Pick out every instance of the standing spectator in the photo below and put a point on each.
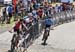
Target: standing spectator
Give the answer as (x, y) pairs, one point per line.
(36, 5)
(33, 1)
(4, 15)
(64, 7)
(56, 8)
(25, 3)
(49, 1)
(59, 8)
(49, 9)
(1, 14)
(16, 12)
(29, 9)
(22, 8)
(29, 2)
(40, 12)
(46, 10)
(35, 16)
(72, 7)
(53, 10)
(10, 9)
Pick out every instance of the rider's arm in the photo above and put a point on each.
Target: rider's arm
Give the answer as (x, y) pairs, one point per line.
(11, 30)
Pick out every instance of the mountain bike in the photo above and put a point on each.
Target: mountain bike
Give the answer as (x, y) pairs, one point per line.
(45, 36)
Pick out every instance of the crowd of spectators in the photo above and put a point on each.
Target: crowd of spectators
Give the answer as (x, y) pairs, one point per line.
(37, 9)
(31, 11)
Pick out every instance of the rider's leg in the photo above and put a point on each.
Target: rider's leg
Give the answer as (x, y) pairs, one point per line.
(44, 35)
(49, 31)
(12, 48)
(45, 40)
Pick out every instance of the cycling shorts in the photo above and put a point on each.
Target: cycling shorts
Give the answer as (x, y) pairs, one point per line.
(16, 30)
(48, 25)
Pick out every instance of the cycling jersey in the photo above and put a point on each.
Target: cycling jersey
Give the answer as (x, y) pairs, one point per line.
(17, 25)
(48, 22)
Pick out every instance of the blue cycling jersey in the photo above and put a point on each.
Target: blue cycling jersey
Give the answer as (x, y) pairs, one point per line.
(48, 22)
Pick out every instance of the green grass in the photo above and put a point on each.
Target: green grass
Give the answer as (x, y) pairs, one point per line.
(6, 25)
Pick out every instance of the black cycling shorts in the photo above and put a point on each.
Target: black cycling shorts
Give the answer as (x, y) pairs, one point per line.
(47, 26)
(16, 30)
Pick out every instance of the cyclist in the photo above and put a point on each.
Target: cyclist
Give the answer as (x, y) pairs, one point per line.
(16, 37)
(48, 22)
(35, 16)
(18, 26)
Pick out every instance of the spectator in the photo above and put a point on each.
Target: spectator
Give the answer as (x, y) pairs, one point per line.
(4, 15)
(25, 3)
(10, 9)
(59, 8)
(34, 12)
(40, 12)
(56, 8)
(29, 2)
(49, 9)
(46, 10)
(53, 10)
(36, 5)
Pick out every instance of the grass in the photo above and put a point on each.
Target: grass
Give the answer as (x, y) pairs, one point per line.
(6, 25)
